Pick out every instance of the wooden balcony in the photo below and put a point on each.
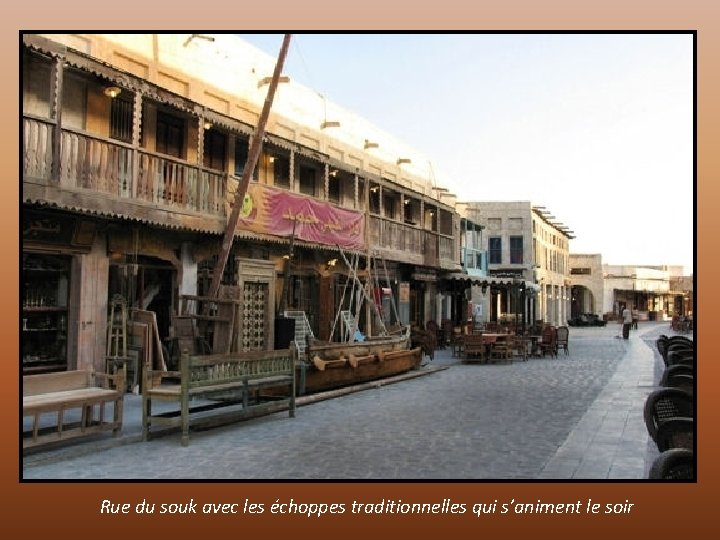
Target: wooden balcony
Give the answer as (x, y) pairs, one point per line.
(111, 177)
(411, 244)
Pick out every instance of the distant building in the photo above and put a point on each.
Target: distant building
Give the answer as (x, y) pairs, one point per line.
(528, 271)
(648, 288)
(658, 292)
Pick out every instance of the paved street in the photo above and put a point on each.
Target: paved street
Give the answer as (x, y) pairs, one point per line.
(576, 416)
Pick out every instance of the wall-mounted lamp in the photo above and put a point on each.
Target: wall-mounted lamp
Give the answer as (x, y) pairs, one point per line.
(112, 91)
(374, 189)
(370, 144)
(332, 262)
(271, 159)
(403, 160)
(407, 201)
(268, 80)
(328, 124)
(333, 173)
(207, 124)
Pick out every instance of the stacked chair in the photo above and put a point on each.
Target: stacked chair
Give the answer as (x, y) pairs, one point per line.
(676, 464)
(678, 354)
(670, 411)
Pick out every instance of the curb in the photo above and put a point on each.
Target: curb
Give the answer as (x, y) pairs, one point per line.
(53, 455)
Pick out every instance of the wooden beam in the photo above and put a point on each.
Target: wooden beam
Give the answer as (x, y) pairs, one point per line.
(253, 154)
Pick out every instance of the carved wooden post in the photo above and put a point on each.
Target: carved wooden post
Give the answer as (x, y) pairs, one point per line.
(326, 182)
(291, 165)
(199, 191)
(356, 188)
(135, 171)
(56, 89)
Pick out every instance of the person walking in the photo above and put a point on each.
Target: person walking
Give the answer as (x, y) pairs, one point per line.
(635, 318)
(627, 322)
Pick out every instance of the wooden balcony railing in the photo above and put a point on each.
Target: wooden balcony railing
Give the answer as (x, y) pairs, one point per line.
(96, 164)
(106, 166)
(409, 243)
(92, 164)
(37, 148)
(167, 181)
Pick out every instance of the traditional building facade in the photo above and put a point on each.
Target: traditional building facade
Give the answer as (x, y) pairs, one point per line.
(133, 146)
(527, 263)
(657, 292)
(650, 289)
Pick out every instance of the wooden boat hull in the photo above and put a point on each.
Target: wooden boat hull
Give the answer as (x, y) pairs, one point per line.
(374, 345)
(322, 375)
(329, 365)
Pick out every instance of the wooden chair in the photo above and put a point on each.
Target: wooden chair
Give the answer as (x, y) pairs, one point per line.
(474, 348)
(563, 334)
(433, 327)
(548, 343)
(502, 349)
(520, 345)
(457, 341)
(447, 331)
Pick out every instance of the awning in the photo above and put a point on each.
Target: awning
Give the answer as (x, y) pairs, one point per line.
(481, 280)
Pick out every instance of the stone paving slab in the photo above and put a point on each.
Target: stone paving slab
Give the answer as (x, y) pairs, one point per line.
(574, 417)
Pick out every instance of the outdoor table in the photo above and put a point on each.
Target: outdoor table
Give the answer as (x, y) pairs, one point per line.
(489, 341)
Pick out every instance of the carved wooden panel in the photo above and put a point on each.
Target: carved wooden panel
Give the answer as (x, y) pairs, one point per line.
(254, 308)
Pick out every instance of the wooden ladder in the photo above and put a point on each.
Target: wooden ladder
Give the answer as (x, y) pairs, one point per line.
(116, 355)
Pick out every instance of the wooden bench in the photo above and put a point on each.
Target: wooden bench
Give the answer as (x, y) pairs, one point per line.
(64, 391)
(222, 380)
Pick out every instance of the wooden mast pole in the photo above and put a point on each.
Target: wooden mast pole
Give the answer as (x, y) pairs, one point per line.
(253, 154)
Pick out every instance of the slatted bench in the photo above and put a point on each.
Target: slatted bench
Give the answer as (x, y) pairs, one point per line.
(221, 380)
(62, 392)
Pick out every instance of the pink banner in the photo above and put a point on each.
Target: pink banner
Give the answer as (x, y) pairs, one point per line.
(274, 211)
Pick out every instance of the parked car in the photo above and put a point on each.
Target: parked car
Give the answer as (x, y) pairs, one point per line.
(587, 319)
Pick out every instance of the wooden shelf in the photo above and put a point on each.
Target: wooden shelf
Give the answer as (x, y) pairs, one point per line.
(41, 368)
(41, 330)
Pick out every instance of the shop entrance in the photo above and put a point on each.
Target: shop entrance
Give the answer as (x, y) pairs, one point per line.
(150, 285)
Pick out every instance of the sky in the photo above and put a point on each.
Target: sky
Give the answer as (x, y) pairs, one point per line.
(598, 128)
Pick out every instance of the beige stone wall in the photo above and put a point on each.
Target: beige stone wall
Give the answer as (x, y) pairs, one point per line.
(592, 282)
